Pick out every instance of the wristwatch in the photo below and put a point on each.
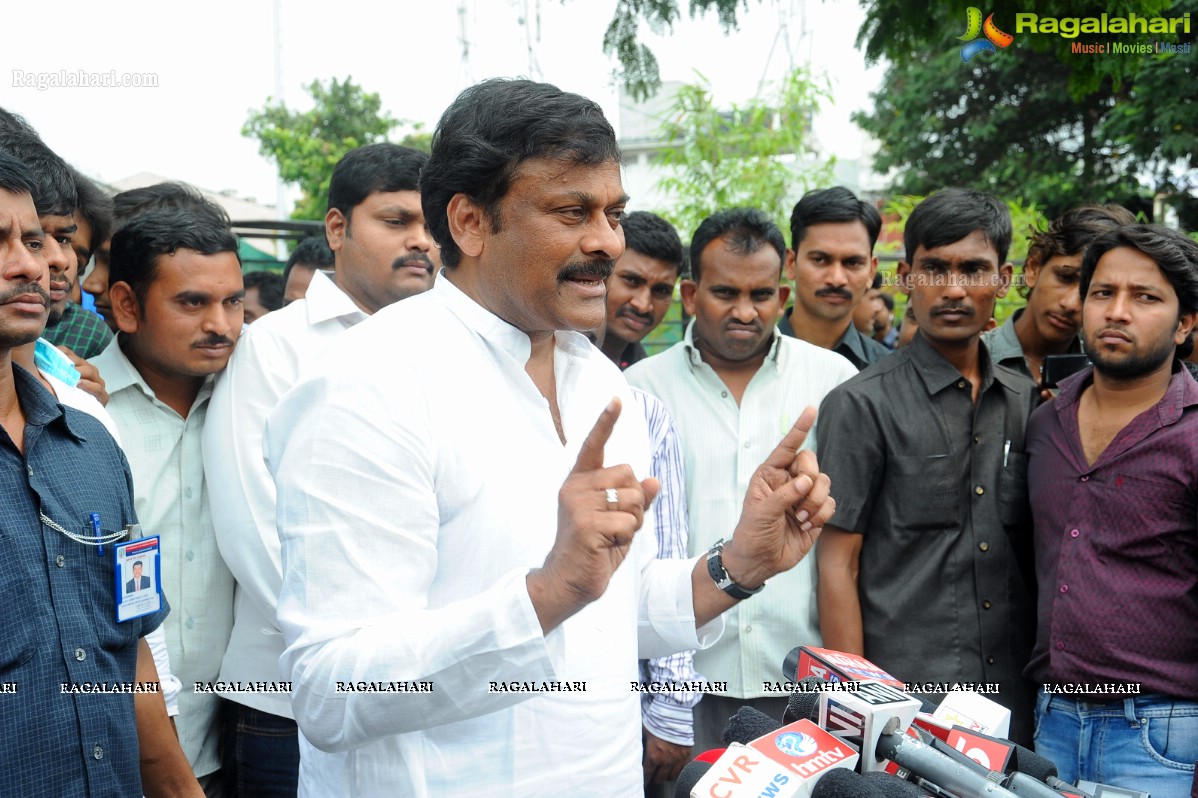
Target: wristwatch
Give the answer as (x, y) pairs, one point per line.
(715, 567)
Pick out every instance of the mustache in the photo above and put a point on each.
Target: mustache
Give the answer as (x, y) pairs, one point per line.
(214, 340)
(840, 292)
(952, 307)
(418, 257)
(24, 290)
(756, 327)
(627, 311)
(601, 269)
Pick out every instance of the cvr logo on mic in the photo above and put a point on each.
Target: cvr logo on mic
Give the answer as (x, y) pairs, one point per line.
(805, 749)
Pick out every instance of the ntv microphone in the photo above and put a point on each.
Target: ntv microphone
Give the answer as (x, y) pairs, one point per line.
(786, 762)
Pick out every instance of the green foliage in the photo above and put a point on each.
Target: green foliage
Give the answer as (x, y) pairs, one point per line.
(639, 70)
(748, 155)
(1034, 120)
(306, 145)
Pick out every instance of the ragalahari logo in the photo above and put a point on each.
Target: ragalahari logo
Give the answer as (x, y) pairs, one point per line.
(993, 36)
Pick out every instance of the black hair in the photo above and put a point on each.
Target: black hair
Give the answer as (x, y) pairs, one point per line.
(137, 246)
(1174, 253)
(270, 288)
(95, 207)
(137, 563)
(745, 230)
(1072, 231)
(492, 128)
(312, 253)
(952, 214)
(653, 237)
(375, 167)
(14, 175)
(165, 196)
(887, 300)
(53, 188)
(836, 205)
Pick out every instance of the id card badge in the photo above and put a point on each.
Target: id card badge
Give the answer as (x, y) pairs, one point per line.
(138, 591)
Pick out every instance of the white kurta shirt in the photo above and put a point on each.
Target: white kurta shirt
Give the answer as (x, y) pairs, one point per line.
(163, 450)
(268, 360)
(724, 444)
(418, 469)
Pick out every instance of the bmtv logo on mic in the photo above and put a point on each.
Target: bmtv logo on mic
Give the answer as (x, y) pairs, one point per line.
(805, 749)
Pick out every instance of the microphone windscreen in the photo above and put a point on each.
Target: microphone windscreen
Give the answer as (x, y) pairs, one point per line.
(1034, 765)
(841, 783)
(889, 786)
(802, 706)
(747, 725)
(689, 777)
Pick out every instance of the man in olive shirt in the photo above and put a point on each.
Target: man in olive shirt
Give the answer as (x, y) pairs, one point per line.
(926, 567)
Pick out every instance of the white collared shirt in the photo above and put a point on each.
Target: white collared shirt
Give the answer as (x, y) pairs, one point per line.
(418, 471)
(163, 451)
(268, 360)
(724, 444)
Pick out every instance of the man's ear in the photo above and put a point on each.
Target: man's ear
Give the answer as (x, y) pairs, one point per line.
(336, 228)
(126, 310)
(466, 224)
(688, 289)
(1006, 273)
(788, 267)
(902, 273)
(783, 294)
(1185, 326)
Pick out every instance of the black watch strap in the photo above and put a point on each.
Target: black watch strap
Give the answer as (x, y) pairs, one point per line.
(715, 567)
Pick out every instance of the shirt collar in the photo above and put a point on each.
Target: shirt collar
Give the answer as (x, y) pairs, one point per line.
(119, 373)
(1004, 343)
(495, 330)
(853, 340)
(40, 406)
(938, 374)
(696, 357)
(1181, 393)
(325, 300)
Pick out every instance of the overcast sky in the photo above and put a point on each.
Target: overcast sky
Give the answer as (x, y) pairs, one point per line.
(215, 61)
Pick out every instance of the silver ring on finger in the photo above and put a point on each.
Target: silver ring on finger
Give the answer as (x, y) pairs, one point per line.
(613, 498)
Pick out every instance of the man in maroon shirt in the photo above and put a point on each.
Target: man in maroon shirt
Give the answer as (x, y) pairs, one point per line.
(1114, 490)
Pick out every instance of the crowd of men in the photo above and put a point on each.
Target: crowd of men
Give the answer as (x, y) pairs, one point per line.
(419, 528)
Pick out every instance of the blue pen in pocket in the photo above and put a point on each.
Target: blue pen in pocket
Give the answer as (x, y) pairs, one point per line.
(95, 519)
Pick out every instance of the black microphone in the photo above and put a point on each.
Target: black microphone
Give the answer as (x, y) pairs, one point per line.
(845, 783)
(803, 703)
(689, 776)
(747, 725)
(893, 785)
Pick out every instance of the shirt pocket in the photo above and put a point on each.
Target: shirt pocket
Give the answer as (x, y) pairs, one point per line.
(1013, 507)
(23, 587)
(926, 491)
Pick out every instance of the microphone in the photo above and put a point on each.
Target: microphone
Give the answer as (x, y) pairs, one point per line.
(689, 777)
(863, 714)
(785, 763)
(917, 756)
(976, 712)
(804, 700)
(892, 785)
(748, 724)
(711, 755)
(847, 784)
(832, 666)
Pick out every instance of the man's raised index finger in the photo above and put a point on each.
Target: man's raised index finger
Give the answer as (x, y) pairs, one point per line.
(784, 453)
(590, 456)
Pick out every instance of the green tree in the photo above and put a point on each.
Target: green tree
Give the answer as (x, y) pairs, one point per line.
(306, 145)
(750, 154)
(1035, 120)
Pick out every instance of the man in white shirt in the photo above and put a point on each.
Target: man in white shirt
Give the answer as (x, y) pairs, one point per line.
(733, 385)
(374, 198)
(458, 614)
(176, 290)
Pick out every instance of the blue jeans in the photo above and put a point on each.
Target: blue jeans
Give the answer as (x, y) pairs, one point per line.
(259, 753)
(1147, 743)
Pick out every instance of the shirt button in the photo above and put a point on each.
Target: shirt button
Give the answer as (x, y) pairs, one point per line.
(960, 383)
(748, 444)
(80, 654)
(986, 605)
(1064, 588)
(723, 394)
(187, 493)
(29, 470)
(190, 623)
(1085, 479)
(98, 752)
(979, 490)
(1074, 533)
(976, 439)
(191, 555)
(989, 660)
(1060, 646)
(748, 628)
(984, 546)
(60, 561)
